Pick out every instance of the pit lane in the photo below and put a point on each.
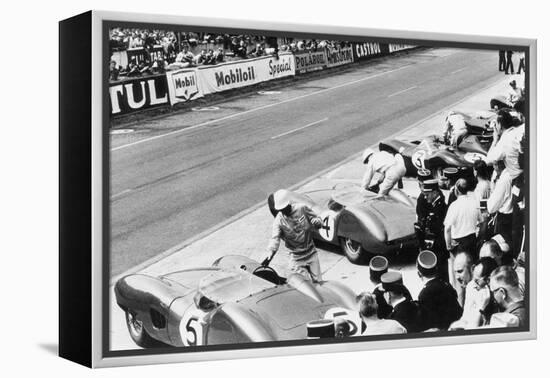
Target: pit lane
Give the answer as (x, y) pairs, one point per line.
(179, 177)
(248, 232)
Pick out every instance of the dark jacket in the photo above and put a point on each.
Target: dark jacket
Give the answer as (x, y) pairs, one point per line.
(518, 309)
(407, 314)
(438, 305)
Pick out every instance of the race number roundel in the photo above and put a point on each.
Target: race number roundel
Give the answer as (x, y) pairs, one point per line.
(471, 157)
(327, 229)
(192, 327)
(352, 317)
(418, 159)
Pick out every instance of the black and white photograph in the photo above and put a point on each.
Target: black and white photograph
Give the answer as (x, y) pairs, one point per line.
(277, 189)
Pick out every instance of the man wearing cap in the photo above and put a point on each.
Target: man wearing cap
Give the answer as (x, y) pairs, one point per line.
(430, 215)
(404, 310)
(377, 267)
(293, 223)
(390, 167)
(437, 300)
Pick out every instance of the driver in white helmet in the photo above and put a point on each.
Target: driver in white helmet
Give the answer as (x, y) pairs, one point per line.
(391, 169)
(294, 224)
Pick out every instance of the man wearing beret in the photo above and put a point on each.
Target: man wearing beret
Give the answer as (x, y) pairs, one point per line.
(430, 214)
(438, 299)
(404, 310)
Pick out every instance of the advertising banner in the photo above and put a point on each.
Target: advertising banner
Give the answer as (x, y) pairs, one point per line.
(393, 47)
(136, 94)
(310, 61)
(363, 51)
(243, 73)
(338, 57)
(183, 85)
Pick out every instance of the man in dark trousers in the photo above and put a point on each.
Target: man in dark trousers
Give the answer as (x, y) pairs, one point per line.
(437, 301)
(430, 231)
(509, 63)
(501, 60)
(404, 310)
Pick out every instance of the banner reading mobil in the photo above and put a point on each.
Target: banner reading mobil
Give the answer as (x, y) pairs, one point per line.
(136, 94)
(366, 50)
(243, 73)
(183, 85)
(310, 61)
(340, 56)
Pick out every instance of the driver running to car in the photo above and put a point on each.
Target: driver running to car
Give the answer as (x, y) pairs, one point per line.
(294, 224)
(391, 170)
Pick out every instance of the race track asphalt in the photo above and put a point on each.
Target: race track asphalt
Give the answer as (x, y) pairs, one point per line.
(180, 175)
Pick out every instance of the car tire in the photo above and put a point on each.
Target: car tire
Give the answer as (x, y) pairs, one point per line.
(354, 251)
(138, 333)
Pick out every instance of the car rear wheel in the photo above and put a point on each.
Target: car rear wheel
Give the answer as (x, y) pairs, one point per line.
(138, 333)
(354, 251)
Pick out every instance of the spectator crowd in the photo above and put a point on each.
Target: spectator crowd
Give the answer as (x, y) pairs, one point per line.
(161, 50)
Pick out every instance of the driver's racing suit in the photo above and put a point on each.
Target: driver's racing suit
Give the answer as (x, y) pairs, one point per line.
(296, 230)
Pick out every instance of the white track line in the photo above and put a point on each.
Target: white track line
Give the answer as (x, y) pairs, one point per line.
(299, 128)
(457, 71)
(403, 91)
(241, 214)
(258, 108)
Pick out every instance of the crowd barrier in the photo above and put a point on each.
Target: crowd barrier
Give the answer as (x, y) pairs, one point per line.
(189, 84)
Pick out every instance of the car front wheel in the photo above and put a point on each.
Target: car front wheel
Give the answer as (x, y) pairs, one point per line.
(138, 333)
(354, 251)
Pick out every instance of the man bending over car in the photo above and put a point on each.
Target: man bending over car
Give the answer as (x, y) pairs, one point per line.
(391, 169)
(294, 224)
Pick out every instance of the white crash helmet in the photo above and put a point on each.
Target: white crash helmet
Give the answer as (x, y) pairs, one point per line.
(366, 155)
(281, 199)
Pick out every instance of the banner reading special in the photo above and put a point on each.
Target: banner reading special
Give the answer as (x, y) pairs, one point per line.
(136, 94)
(363, 51)
(183, 85)
(338, 57)
(243, 73)
(310, 61)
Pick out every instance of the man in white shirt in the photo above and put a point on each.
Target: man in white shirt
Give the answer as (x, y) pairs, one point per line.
(455, 129)
(390, 167)
(368, 310)
(506, 144)
(500, 203)
(461, 220)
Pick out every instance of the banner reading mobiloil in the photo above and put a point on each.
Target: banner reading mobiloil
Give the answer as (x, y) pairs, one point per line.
(393, 47)
(338, 57)
(310, 61)
(243, 73)
(183, 85)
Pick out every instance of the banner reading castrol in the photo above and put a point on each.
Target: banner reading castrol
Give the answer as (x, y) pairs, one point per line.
(338, 57)
(243, 73)
(310, 61)
(183, 85)
(366, 50)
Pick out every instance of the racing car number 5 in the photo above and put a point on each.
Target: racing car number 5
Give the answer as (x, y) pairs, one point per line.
(191, 329)
(418, 159)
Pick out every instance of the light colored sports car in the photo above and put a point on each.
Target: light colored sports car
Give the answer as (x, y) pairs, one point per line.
(360, 223)
(234, 301)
